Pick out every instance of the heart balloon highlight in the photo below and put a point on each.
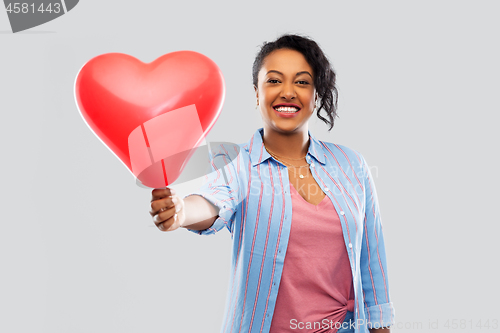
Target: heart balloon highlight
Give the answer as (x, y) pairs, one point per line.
(152, 116)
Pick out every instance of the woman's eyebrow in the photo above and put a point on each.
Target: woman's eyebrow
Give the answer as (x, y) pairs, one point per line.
(273, 71)
(278, 72)
(304, 72)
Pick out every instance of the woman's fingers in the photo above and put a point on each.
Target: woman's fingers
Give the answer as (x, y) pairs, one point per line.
(164, 208)
(164, 215)
(160, 205)
(170, 224)
(159, 193)
(172, 218)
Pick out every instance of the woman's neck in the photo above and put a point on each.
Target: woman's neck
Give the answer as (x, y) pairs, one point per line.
(290, 145)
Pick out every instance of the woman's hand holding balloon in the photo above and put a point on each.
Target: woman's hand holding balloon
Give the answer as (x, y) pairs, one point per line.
(167, 209)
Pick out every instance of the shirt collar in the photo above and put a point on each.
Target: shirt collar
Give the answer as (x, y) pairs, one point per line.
(259, 154)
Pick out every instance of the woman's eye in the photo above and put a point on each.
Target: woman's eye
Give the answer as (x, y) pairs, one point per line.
(303, 82)
(272, 81)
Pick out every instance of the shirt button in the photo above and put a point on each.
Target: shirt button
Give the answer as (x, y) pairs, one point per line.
(350, 245)
(326, 189)
(312, 165)
(342, 212)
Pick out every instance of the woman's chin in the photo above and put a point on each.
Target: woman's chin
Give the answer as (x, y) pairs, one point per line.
(286, 127)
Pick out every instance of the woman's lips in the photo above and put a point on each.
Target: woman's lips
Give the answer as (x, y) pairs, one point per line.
(286, 110)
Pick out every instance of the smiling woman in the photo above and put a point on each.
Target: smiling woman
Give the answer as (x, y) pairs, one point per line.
(324, 76)
(303, 214)
(285, 92)
(287, 95)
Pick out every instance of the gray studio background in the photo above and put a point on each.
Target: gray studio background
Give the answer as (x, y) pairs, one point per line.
(419, 87)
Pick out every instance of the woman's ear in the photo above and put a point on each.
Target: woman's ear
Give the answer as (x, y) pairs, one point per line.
(256, 94)
(316, 97)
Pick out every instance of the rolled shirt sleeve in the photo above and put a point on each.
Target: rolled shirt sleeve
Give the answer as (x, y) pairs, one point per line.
(379, 310)
(220, 187)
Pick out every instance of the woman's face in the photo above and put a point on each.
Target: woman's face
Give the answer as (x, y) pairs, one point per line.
(285, 92)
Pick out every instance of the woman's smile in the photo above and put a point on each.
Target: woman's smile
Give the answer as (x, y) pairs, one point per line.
(286, 110)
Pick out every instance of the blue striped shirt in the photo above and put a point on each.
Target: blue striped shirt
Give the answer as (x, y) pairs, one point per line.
(252, 192)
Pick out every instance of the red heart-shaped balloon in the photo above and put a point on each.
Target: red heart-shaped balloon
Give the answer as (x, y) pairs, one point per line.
(151, 116)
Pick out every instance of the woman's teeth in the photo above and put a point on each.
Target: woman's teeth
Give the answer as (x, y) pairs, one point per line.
(287, 109)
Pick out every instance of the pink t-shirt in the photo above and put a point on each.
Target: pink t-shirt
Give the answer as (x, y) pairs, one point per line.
(316, 285)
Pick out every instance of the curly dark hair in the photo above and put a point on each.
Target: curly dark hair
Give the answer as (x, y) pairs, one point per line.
(324, 75)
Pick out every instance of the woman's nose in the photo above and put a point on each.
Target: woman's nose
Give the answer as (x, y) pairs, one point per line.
(288, 91)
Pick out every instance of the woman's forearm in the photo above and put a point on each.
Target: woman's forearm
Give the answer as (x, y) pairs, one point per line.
(199, 213)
